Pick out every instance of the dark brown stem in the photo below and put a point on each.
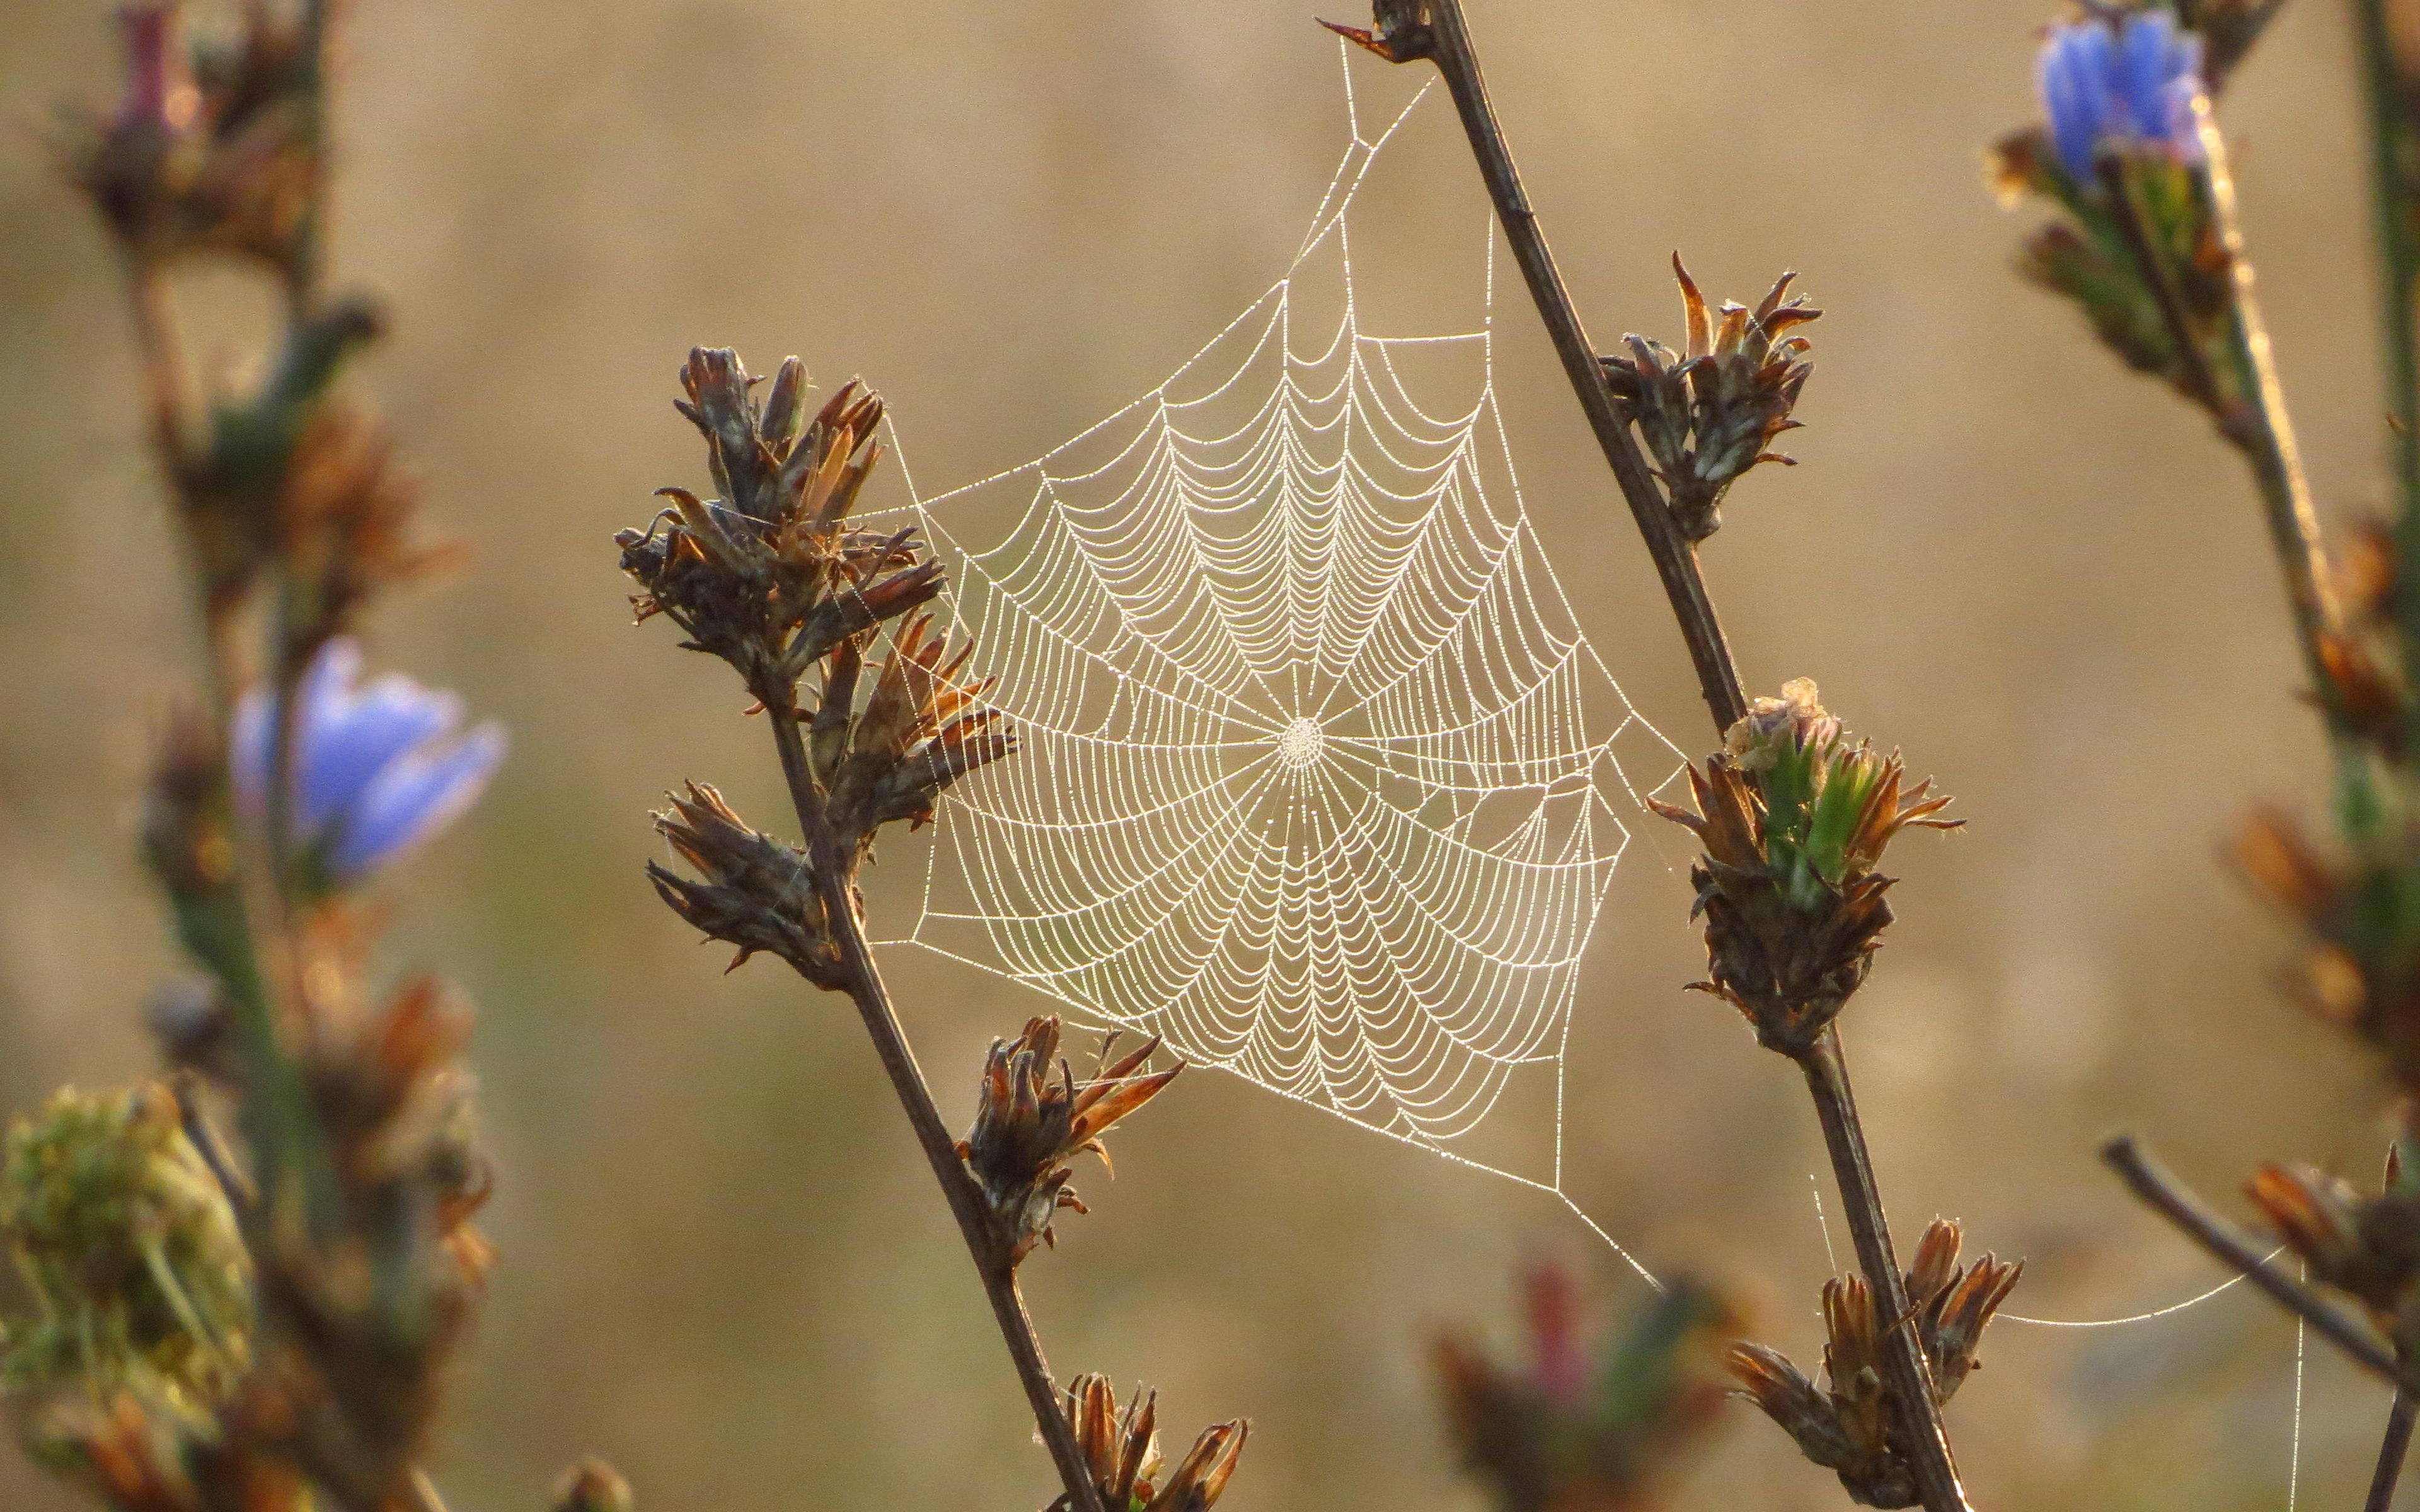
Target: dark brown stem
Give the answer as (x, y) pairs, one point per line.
(1676, 560)
(836, 887)
(1903, 1357)
(2390, 1451)
(1435, 30)
(2165, 1197)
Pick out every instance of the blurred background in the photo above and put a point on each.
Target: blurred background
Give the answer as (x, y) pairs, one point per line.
(725, 1266)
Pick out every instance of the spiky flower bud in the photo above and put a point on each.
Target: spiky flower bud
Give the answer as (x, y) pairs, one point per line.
(2365, 1245)
(130, 1247)
(770, 577)
(1711, 412)
(921, 729)
(1795, 820)
(1589, 1424)
(1853, 1426)
(1034, 1118)
(755, 892)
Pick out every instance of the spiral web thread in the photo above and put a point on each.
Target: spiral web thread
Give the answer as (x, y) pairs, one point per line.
(1318, 777)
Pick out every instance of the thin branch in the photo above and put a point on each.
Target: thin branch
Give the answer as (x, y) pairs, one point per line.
(2171, 1200)
(1435, 30)
(835, 885)
(1852, 1171)
(1676, 560)
(2201, 382)
(2390, 1451)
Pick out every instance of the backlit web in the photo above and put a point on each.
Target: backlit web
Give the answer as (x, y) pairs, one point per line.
(1318, 775)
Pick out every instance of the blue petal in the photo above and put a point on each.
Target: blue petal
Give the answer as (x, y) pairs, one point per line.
(414, 798)
(2074, 74)
(349, 741)
(325, 686)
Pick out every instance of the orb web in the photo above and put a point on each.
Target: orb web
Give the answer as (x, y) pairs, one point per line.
(1318, 777)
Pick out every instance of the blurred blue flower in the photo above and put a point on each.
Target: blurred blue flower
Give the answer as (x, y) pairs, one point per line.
(2129, 82)
(377, 768)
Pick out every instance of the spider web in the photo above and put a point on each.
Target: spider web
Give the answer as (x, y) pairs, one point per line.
(1318, 777)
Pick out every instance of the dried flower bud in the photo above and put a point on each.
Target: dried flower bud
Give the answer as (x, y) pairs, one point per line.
(2360, 910)
(593, 1486)
(1954, 1305)
(131, 1249)
(2366, 1247)
(1795, 820)
(207, 151)
(770, 577)
(921, 729)
(1122, 1448)
(1588, 1425)
(1852, 1426)
(1711, 412)
(756, 893)
(1034, 1118)
(1200, 1477)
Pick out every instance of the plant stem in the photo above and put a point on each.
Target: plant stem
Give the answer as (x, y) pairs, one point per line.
(2165, 1195)
(2258, 422)
(835, 884)
(2390, 1451)
(1852, 1171)
(1439, 33)
(1676, 560)
(2395, 164)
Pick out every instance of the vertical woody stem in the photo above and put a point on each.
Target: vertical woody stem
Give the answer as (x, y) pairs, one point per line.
(1436, 29)
(2390, 1451)
(834, 883)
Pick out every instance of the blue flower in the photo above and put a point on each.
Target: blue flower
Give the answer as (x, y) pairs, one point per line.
(377, 768)
(2127, 83)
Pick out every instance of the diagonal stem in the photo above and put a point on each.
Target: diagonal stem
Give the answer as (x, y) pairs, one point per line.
(834, 885)
(2390, 1451)
(1676, 560)
(1435, 30)
(2165, 1197)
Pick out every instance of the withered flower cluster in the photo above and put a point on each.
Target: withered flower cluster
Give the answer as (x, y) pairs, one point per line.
(775, 578)
(1851, 1426)
(1590, 1423)
(1034, 1118)
(1711, 412)
(2364, 1245)
(1123, 1449)
(1795, 820)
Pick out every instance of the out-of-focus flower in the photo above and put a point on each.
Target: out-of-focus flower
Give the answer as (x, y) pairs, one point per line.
(208, 149)
(1588, 1425)
(1851, 1427)
(1711, 412)
(377, 768)
(1034, 1118)
(2367, 1246)
(1795, 820)
(2125, 83)
(131, 1249)
(1122, 1450)
(593, 1486)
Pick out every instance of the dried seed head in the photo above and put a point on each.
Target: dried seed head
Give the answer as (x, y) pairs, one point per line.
(2366, 1247)
(1795, 820)
(1034, 1118)
(752, 891)
(1953, 1304)
(1711, 412)
(922, 728)
(770, 577)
